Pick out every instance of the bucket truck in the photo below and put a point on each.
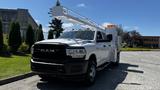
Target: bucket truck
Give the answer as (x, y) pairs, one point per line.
(77, 54)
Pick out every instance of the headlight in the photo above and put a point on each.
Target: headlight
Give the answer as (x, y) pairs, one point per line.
(76, 52)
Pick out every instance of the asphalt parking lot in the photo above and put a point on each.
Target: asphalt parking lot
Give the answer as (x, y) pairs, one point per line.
(137, 71)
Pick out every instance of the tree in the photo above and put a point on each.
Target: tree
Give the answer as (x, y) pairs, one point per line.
(50, 34)
(120, 31)
(30, 37)
(18, 35)
(14, 37)
(56, 27)
(39, 35)
(126, 38)
(136, 40)
(132, 38)
(1, 36)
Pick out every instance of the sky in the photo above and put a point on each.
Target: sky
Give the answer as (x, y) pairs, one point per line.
(140, 15)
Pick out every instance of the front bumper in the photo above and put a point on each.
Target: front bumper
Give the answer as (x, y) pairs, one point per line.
(67, 69)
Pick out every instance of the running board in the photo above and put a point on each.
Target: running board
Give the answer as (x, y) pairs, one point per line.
(103, 66)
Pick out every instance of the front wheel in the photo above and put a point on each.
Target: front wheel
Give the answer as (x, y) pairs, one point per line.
(91, 73)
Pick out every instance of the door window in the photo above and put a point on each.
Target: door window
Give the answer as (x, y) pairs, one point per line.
(99, 36)
(104, 36)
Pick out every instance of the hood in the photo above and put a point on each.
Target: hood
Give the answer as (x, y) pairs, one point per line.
(64, 41)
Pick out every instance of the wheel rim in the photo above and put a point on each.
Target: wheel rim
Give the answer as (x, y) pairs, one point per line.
(92, 73)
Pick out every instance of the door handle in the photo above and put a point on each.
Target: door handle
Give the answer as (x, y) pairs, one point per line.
(104, 45)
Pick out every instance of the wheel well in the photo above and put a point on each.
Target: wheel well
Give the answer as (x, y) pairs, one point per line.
(93, 58)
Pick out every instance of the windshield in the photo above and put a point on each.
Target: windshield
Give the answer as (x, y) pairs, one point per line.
(84, 35)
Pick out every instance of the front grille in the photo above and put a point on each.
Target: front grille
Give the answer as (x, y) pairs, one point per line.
(47, 68)
(49, 53)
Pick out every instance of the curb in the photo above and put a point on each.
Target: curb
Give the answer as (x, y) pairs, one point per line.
(16, 78)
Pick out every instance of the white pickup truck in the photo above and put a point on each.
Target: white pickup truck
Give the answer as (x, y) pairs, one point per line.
(76, 54)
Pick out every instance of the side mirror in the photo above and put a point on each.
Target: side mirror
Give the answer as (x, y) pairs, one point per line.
(109, 37)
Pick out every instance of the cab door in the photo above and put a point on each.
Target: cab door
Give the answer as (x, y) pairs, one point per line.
(101, 48)
(107, 49)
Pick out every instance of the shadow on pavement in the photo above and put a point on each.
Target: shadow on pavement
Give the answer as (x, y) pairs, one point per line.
(107, 79)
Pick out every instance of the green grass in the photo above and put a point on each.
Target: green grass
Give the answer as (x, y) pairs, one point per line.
(137, 49)
(15, 65)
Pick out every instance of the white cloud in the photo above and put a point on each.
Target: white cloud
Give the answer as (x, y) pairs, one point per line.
(67, 25)
(81, 5)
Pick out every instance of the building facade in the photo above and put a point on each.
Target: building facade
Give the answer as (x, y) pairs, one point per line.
(17, 15)
(151, 41)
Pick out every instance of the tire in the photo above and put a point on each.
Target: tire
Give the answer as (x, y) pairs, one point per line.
(118, 59)
(91, 73)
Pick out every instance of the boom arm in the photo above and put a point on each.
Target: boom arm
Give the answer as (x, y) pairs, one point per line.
(61, 12)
